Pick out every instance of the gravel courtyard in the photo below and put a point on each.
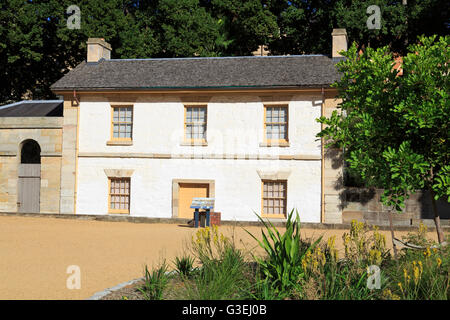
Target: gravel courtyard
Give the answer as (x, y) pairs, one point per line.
(36, 252)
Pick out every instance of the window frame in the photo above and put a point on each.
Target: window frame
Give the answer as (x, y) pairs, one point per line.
(121, 211)
(112, 123)
(274, 215)
(276, 141)
(192, 140)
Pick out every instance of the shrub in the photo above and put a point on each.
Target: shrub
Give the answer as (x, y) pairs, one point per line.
(363, 247)
(222, 279)
(208, 244)
(282, 266)
(155, 283)
(184, 265)
(223, 274)
(420, 274)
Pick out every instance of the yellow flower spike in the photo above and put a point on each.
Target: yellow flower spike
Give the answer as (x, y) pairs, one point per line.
(427, 253)
(416, 275)
(439, 262)
(400, 286)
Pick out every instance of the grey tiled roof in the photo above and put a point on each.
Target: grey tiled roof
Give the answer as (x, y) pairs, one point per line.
(33, 108)
(188, 73)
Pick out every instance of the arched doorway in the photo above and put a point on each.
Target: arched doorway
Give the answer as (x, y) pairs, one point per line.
(29, 177)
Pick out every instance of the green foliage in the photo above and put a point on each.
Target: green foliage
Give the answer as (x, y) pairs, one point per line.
(306, 26)
(420, 274)
(223, 279)
(223, 273)
(320, 272)
(394, 128)
(184, 265)
(284, 252)
(37, 48)
(155, 283)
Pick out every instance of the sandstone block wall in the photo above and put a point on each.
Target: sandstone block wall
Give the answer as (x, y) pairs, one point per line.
(47, 132)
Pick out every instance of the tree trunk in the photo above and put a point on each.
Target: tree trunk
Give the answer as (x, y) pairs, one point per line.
(392, 234)
(437, 219)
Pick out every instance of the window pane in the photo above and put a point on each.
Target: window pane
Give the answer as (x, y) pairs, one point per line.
(283, 115)
(121, 114)
(128, 113)
(275, 114)
(268, 114)
(116, 115)
(188, 114)
(204, 132)
(275, 132)
(269, 132)
(202, 115)
(283, 133)
(194, 114)
(128, 131)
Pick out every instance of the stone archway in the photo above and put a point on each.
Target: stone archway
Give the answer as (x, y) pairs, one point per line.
(29, 182)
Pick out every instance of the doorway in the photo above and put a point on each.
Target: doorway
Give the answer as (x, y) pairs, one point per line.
(29, 183)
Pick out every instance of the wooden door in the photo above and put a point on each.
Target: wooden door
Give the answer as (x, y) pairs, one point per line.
(186, 193)
(29, 188)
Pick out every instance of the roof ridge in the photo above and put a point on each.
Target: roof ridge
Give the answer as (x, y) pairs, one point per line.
(220, 58)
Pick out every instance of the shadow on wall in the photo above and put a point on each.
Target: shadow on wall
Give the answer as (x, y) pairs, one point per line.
(364, 205)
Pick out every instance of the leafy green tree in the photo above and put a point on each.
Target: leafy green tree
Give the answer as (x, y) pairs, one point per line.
(184, 29)
(248, 24)
(306, 25)
(394, 129)
(37, 48)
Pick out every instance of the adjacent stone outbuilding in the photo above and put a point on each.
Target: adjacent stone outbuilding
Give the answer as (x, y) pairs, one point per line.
(30, 156)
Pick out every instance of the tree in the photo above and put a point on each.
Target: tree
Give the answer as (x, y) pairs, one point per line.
(184, 29)
(247, 23)
(37, 48)
(394, 129)
(306, 25)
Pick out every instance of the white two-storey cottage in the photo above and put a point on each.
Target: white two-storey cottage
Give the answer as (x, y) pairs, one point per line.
(144, 136)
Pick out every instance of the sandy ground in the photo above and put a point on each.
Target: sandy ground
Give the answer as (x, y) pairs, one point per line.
(36, 252)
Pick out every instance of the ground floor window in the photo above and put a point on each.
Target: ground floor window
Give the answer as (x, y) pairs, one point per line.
(119, 195)
(274, 196)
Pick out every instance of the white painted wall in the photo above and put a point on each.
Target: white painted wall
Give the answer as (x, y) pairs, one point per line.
(237, 185)
(235, 125)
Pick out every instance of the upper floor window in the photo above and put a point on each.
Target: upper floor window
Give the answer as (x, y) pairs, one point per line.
(122, 122)
(195, 123)
(276, 123)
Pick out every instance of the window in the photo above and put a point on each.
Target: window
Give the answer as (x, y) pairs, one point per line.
(122, 123)
(274, 198)
(195, 123)
(276, 123)
(119, 195)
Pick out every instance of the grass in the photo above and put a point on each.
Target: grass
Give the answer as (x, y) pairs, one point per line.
(304, 269)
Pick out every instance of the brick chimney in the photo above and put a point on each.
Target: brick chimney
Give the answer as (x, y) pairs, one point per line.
(339, 42)
(98, 48)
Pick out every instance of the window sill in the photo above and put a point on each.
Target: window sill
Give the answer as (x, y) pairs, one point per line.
(118, 212)
(275, 144)
(273, 216)
(119, 143)
(194, 143)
